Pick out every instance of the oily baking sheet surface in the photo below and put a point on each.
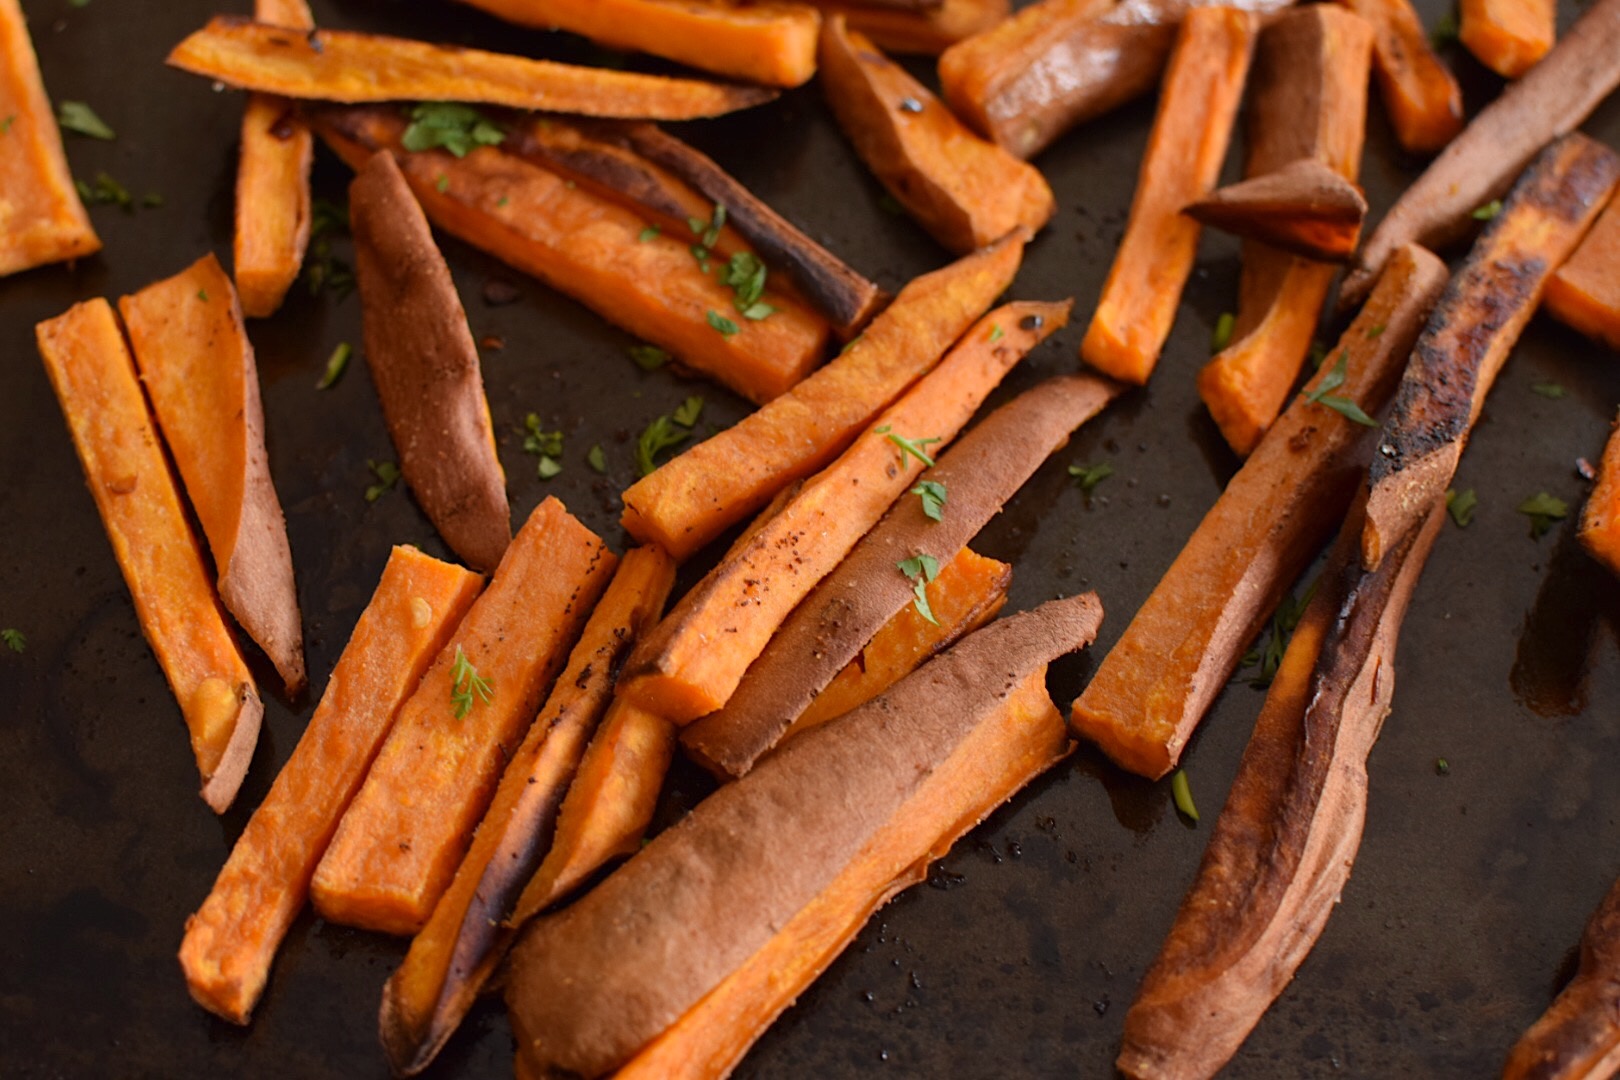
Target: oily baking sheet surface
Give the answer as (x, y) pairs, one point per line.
(1021, 954)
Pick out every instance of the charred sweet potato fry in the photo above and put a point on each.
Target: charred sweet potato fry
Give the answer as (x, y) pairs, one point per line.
(1309, 101)
(1600, 520)
(1202, 90)
(139, 500)
(964, 191)
(1474, 327)
(1577, 1036)
(691, 662)
(591, 249)
(232, 939)
(696, 496)
(425, 365)
(1553, 98)
(1420, 93)
(1507, 36)
(1155, 685)
(198, 369)
(928, 30)
(454, 954)
(41, 218)
(673, 924)
(1304, 208)
(398, 845)
(343, 66)
(1585, 292)
(827, 631)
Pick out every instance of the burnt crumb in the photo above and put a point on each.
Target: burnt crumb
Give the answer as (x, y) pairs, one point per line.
(1100, 1006)
(492, 343)
(498, 292)
(1584, 470)
(910, 105)
(1031, 323)
(285, 127)
(944, 880)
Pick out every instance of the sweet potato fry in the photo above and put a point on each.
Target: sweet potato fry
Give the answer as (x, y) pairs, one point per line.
(139, 500)
(928, 31)
(1578, 1036)
(591, 249)
(1507, 36)
(765, 41)
(647, 945)
(232, 939)
(1553, 98)
(964, 191)
(1155, 685)
(1305, 208)
(691, 662)
(425, 365)
(41, 218)
(1474, 326)
(826, 632)
(398, 845)
(695, 497)
(454, 954)
(1585, 292)
(1600, 520)
(1202, 90)
(1309, 100)
(342, 66)
(198, 369)
(1420, 93)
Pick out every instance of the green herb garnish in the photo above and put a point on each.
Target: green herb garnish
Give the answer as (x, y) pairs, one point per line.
(1089, 476)
(5, 125)
(660, 435)
(202, 294)
(1375, 331)
(1181, 791)
(1488, 211)
(105, 192)
(1548, 389)
(995, 333)
(442, 184)
(466, 684)
(1543, 510)
(335, 365)
(933, 496)
(1442, 767)
(547, 445)
(1221, 336)
(1461, 506)
(721, 323)
(387, 474)
(1284, 621)
(596, 459)
(913, 447)
(1445, 31)
(322, 269)
(648, 357)
(686, 414)
(921, 569)
(81, 119)
(1323, 394)
(15, 640)
(455, 127)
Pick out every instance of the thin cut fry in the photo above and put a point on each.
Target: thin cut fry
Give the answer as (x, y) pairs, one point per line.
(1585, 292)
(1305, 208)
(1507, 36)
(1420, 93)
(928, 32)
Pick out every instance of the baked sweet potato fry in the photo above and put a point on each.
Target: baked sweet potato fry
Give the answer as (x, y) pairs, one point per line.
(1202, 90)
(424, 363)
(232, 939)
(454, 954)
(398, 845)
(1304, 208)
(1578, 1036)
(1420, 93)
(198, 369)
(650, 942)
(690, 664)
(41, 218)
(927, 31)
(1507, 36)
(139, 500)
(1308, 101)
(1600, 520)
(964, 191)
(1156, 683)
(696, 496)
(591, 249)
(826, 632)
(1473, 328)
(1553, 98)
(348, 67)
(1585, 292)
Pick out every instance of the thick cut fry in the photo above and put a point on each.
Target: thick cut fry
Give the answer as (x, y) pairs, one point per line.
(927, 32)
(1474, 327)
(1420, 93)
(41, 218)
(272, 184)
(450, 960)
(1011, 747)
(691, 662)
(1309, 101)
(964, 191)
(198, 369)
(827, 631)
(764, 41)
(408, 827)
(676, 921)
(591, 249)
(1507, 36)
(139, 500)
(232, 939)
(1160, 678)
(696, 496)
(1202, 90)
(424, 363)
(1585, 292)
(1553, 98)
(1600, 520)
(1306, 208)
(342, 66)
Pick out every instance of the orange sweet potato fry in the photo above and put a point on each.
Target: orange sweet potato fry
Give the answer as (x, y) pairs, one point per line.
(591, 249)
(928, 31)
(965, 191)
(339, 65)
(198, 369)
(1197, 106)
(398, 845)
(696, 496)
(232, 939)
(1507, 36)
(139, 500)
(1306, 208)
(1420, 93)
(1585, 292)
(1600, 521)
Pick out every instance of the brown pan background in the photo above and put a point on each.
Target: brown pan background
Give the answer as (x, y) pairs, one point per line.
(1465, 906)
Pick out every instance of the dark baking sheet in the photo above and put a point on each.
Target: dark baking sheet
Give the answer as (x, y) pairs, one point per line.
(1454, 931)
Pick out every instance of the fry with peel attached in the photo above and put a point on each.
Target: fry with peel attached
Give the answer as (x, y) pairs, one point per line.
(1305, 208)
(928, 30)
(1585, 292)
(1420, 93)
(232, 939)
(1507, 36)
(139, 500)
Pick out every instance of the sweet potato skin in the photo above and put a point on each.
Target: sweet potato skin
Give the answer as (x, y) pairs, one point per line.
(1584, 293)
(1304, 208)
(1419, 91)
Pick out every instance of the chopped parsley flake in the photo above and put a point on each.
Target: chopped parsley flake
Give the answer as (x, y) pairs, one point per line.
(1323, 394)
(911, 447)
(1488, 211)
(1221, 336)
(1089, 476)
(687, 413)
(335, 365)
(933, 496)
(660, 435)
(1548, 389)
(466, 684)
(455, 127)
(920, 569)
(1181, 791)
(724, 325)
(81, 119)
(1543, 510)
(387, 474)
(547, 445)
(15, 640)
(596, 459)
(1461, 506)
(648, 357)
